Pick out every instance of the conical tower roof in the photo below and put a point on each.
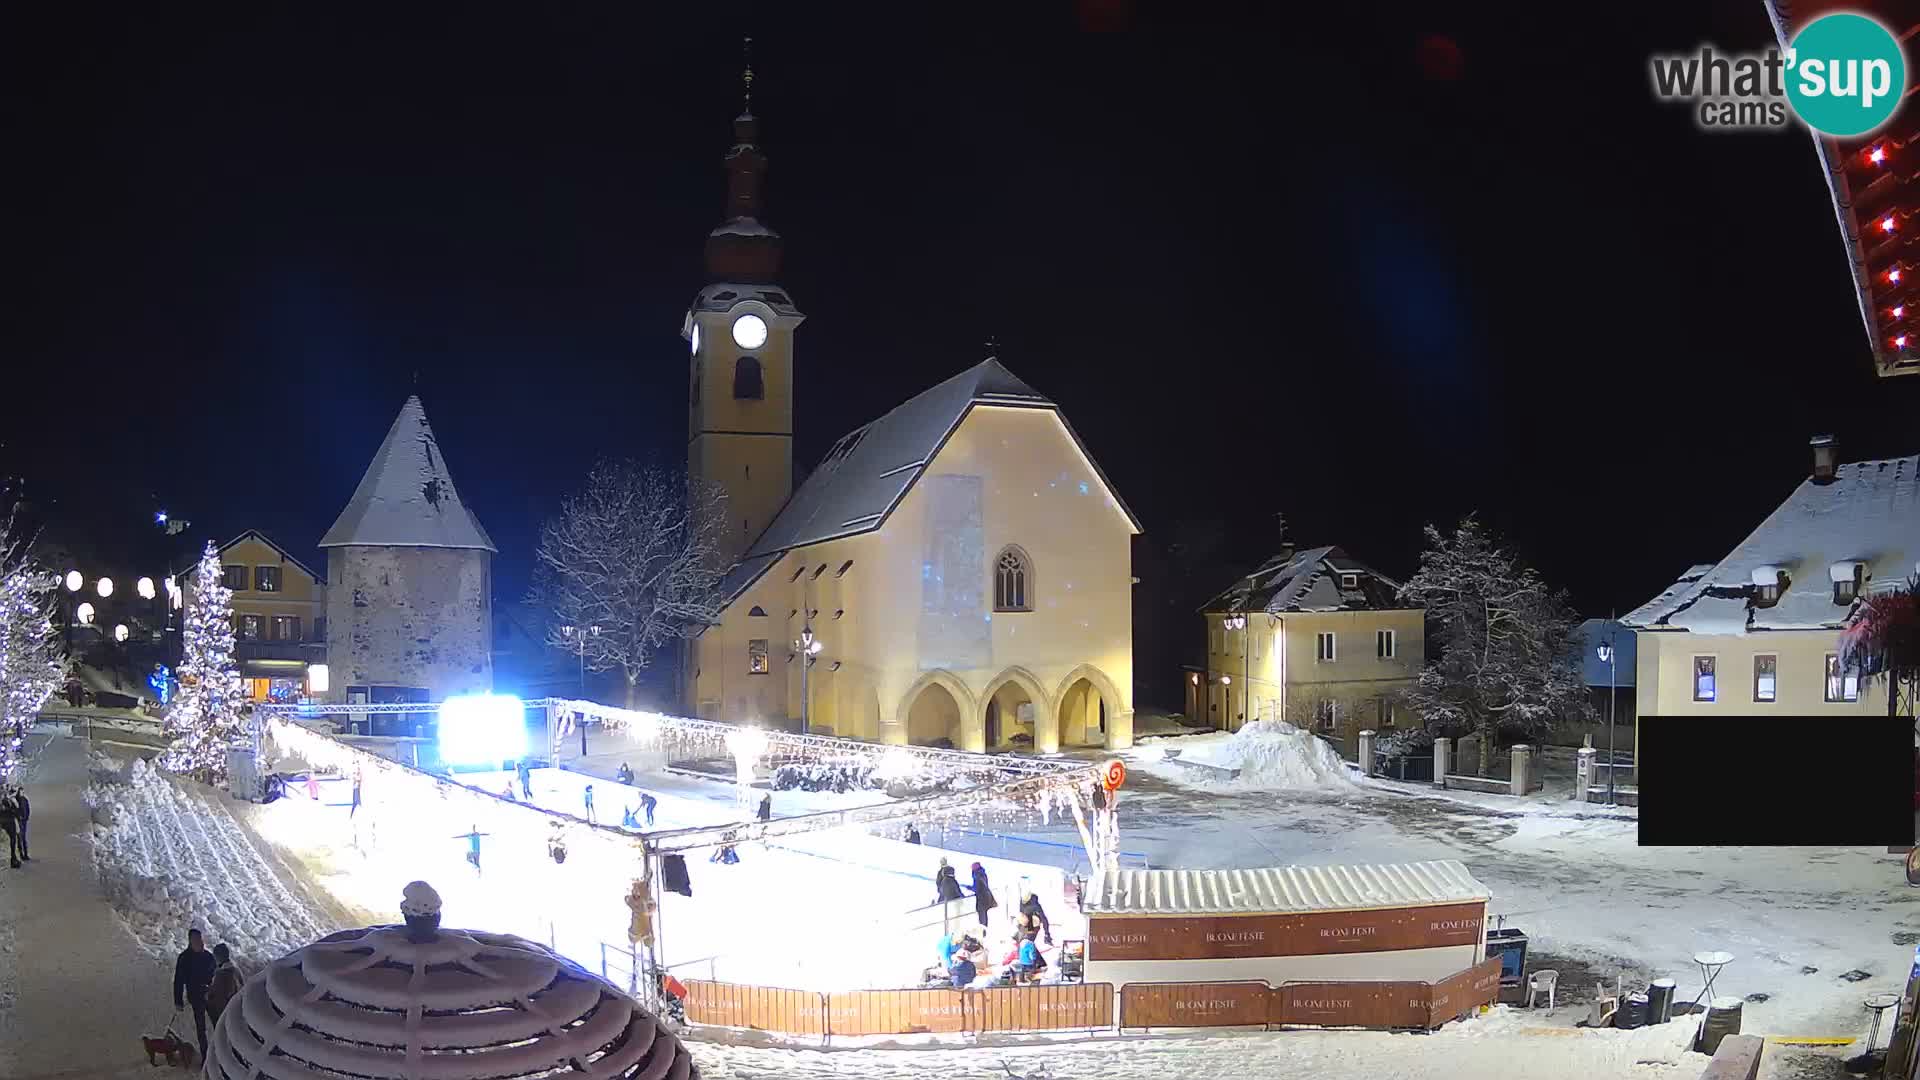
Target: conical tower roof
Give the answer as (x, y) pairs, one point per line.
(407, 498)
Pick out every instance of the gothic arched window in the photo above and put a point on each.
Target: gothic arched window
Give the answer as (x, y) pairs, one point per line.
(1012, 580)
(746, 378)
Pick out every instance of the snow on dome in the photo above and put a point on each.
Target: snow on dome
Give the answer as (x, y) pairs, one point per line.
(407, 497)
(418, 898)
(461, 1004)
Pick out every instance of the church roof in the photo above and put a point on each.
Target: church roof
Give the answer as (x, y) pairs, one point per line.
(871, 468)
(407, 498)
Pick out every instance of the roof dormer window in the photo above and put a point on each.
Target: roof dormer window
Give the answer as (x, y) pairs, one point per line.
(1847, 578)
(1349, 581)
(1768, 581)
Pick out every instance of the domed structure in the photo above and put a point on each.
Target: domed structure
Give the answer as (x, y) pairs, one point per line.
(415, 1002)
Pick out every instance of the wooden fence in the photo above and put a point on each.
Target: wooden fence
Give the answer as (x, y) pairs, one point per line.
(1090, 1006)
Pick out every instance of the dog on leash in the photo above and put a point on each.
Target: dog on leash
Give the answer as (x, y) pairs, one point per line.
(177, 1051)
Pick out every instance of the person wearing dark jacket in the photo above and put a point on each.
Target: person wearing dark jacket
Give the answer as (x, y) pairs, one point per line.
(192, 974)
(947, 884)
(1032, 912)
(766, 808)
(225, 983)
(983, 900)
(10, 824)
(525, 772)
(624, 774)
(913, 834)
(22, 810)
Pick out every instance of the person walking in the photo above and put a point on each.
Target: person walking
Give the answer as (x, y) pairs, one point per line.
(766, 808)
(473, 847)
(192, 973)
(356, 793)
(946, 884)
(647, 803)
(525, 773)
(313, 786)
(10, 824)
(983, 900)
(589, 802)
(22, 810)
(225, 983)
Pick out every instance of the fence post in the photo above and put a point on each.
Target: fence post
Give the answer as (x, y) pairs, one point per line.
(1366, 753)
(1522, 769)
(1442, 761)
(1583, 773)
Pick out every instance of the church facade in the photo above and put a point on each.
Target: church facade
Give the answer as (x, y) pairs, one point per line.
(957, 572)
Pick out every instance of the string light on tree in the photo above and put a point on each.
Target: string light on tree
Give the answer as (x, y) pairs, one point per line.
(204, 718)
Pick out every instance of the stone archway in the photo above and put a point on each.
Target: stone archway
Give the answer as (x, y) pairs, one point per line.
(938, 705)
(1087, 707)
(1002, 721)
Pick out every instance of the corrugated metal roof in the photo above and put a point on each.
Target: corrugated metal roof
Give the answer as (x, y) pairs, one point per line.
(1282, 889)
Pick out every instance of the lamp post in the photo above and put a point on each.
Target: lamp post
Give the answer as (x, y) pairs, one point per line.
(74, 583)
(808, 647)
(1607, 656)
(579, 636)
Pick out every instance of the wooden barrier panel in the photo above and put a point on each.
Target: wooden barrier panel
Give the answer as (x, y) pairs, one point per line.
(767, 1008)
(1457, 995)
(1194, 1004)
(1312, 933)
(1380, 1005)
(901, 1012)
(1050, 1007)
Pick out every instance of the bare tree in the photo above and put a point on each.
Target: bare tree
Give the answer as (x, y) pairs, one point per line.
(637, 554)
(1508, 647)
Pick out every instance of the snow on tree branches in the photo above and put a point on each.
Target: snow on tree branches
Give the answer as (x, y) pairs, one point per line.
(205, 716)
(636, 554)
(1883, 642)
(31, 664)
(1503, 649)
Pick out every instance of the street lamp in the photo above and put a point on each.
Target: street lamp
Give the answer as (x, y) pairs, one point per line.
(75, 581)
(84, 613)
(808, 647)
(105, 587)
(120, 632)
(579, 636)
(145, 588)
(1607, 655)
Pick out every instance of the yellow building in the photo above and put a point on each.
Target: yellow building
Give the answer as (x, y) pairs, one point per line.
(1759, 631)
(1314, 638)
(961, 565)
(279, 615)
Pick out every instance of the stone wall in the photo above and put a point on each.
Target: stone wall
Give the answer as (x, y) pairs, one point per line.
(402, 616)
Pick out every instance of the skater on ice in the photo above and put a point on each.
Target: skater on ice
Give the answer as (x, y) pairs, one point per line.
(589, 797)
(647, 803)
(356, 793)
(630, 817)
(983, 900)
(473, 847)
(526, 779)
(725, 855)
(192, 974)
(625, 774)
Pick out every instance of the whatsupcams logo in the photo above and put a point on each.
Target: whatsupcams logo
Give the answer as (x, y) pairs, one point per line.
(1842, 75)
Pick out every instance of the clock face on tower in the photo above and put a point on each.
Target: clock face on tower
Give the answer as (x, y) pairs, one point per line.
(694, 339)
(749, 331)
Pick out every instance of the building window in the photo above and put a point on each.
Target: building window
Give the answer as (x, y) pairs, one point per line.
(1703, 685)
(1386, 712)
(235, 578)
(1766, 685)
(1325, 714)
(266, 579)
(1847, 590)
(1385, 644)
(844, 567)
(1349, 581)
(1012, 581)
(797, 571)
(821, 569)
(1841, 685)
(248, 627)
(1325, 649)
(286, 628)
(747, 384)
(757, 656)
(757, 612)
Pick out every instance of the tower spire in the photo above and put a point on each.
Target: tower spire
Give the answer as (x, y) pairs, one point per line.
(743, 248)
(746, 77)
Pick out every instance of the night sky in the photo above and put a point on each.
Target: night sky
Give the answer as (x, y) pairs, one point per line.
(1313, 266)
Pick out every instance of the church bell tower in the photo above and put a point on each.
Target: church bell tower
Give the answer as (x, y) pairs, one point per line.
(740, 333)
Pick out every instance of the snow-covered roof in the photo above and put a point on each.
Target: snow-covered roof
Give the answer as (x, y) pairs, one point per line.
(1869, 514)
(743, 226)
(866, 474)
(1309, 580)
(407, 497)
(722, 296)
(1282, 889)
(376, 1002)
(256, 534)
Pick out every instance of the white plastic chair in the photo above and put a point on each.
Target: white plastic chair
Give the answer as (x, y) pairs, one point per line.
(1542, 981)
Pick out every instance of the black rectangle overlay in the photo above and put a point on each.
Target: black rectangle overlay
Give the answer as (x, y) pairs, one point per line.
(1776, 781)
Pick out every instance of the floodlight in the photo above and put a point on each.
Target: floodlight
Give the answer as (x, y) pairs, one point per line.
(482, 729)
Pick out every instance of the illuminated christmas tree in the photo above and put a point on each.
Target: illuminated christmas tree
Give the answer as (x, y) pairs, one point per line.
(31, 666)
(204, 718)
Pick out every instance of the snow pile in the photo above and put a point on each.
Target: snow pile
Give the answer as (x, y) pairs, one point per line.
(1274, 754)
(170, 855)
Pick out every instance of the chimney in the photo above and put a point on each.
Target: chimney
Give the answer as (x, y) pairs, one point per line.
(1826, 458)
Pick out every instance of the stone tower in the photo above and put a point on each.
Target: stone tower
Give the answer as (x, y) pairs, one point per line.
(740, 331)
(410, 576)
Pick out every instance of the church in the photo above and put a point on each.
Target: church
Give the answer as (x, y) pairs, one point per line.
(957, 572)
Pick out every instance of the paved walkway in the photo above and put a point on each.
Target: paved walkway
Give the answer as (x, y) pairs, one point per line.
(69, 962)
